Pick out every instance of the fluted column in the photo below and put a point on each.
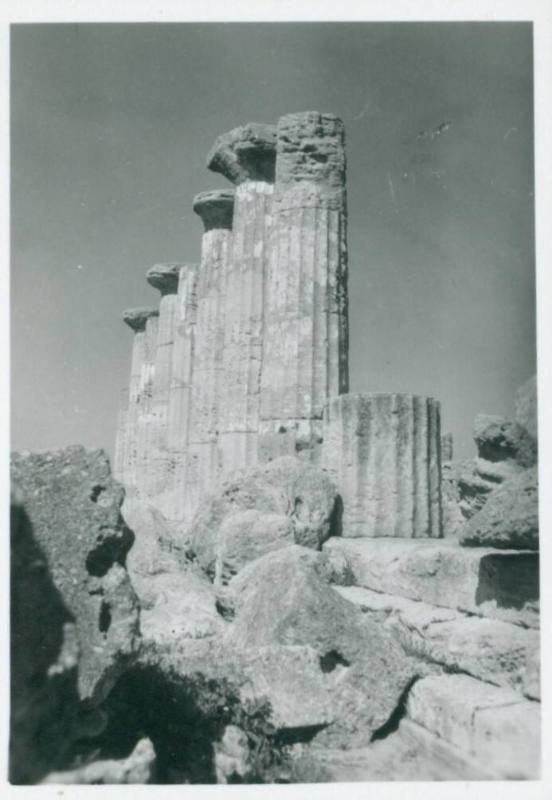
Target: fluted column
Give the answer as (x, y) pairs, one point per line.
(383, 450)
(305, 360)
(175, 500)
(216, 211)
(163, 277)
(245, 156)
(145, 419)
(447, 447)
(127, 435)
(121, 439)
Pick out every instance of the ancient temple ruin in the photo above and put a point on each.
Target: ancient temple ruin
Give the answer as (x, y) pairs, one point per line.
(246, 357)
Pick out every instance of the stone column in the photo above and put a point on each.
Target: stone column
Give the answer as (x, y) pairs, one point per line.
(163, 277)
(175, 501)
(127, 436)
(216, 211)
(447, 447)
(383, 451)
(305, 359)
(121, 439)
(246, 156)
(145, 419)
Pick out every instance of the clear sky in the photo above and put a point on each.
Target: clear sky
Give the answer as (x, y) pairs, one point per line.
(111, 125)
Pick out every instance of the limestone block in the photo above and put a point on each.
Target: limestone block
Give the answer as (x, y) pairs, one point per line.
(488, 649)
(73, 505)
(501, 584)
(499, 439)
(526, 406)
(135, 768)
(369, 667)
(305, 355)
(510, 517)
(286, 487)
(491, 723)
(383, 451)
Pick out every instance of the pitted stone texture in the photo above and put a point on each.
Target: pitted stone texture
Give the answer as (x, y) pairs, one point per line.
(246, 153)
(526, 406)
(247, 535)
(498, 439)
(311, 151)
(136, 318)
(501, 584)
(216, 208)
(492, 724)
(43, 659)
(510, 517)
(488, 649)
(164, 277)
(383, 451)
(286, 487)
(73, 505)
(372, 667)
(177, 601)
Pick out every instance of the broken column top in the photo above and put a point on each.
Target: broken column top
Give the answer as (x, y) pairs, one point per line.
(311, 147)
(164, 277)
(247, 153)
(136, 318)
(216, 208)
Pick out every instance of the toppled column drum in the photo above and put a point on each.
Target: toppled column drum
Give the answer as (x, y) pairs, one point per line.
(383, 451)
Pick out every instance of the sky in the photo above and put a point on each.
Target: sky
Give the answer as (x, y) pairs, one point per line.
(110, 128)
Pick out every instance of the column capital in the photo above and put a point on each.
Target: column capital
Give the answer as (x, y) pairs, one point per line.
(164, 277)
(247, 153)
(216, 208)
(136, 318)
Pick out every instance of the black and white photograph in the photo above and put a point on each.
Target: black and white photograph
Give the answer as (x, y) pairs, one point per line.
(275, 402)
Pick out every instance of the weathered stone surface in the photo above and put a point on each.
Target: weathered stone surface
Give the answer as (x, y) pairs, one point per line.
(43, 659)
(493, 724)
(373, 669)
(510, 517)
(247, 535)
(501, 584)
(164, 277)
(246, 153)
(383, 452)
(216, 208)
(305, 354)
(136, 768)
(488, 649)
(244, 337)
(136, 318)
(145, 422)
(286, 487)
(208, 385)
(73, 505)
(177, 601)
(526, 406)
(176, 501)
(447, 447)
(231, 755)
(498, 439)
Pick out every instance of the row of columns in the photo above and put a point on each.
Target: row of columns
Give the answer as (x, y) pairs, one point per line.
(240, 359)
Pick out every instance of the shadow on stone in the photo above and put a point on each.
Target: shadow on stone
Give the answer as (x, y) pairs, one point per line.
(512, 581)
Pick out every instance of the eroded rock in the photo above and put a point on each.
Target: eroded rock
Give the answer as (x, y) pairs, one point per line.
(73, 506)
(510, 517)
(286, 487)
(499, 439)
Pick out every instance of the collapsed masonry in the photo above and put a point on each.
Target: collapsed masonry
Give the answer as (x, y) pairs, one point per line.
(246, 349)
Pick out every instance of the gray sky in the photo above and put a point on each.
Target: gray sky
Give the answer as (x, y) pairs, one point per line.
(111, 125)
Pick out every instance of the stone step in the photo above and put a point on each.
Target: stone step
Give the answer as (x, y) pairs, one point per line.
(501, 584)
(490, 724)
(488, 649)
